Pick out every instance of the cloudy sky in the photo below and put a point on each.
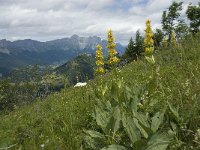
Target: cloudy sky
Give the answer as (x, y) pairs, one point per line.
(51, 19)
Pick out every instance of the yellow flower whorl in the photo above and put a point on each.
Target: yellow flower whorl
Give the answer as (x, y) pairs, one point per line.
(149, 43)
(111, 49)
(99, 60)
(165, 42)
(173, 39)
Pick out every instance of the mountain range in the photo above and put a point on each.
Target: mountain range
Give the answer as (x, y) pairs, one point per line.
(21, 53)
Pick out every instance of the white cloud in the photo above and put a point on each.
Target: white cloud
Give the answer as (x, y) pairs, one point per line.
(50, 19)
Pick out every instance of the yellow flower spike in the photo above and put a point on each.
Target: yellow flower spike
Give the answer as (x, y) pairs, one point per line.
(165, 42)
(173, 39)
(149, 43)
(111, 49)
(99, 60)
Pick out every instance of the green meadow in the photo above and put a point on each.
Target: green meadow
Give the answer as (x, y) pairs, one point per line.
(138, 106)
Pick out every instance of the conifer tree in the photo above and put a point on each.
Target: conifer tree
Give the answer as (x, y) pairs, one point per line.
(193, 14)
(171, 21)
(181, 30)
(139, 44)
(130, 50)
(158, 37)
(111, 49)
(135, 48)
(149, 42)
(99, 60)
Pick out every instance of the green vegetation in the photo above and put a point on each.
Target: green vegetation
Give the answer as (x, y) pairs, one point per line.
(149, 43)
(165, 94)
(99, 61)
(79, 69)
(193, 14)
(112, 58)
(135, 48)
(24, 85)
(152, 103)
(172, 22)
(158, 38)
(16, 94)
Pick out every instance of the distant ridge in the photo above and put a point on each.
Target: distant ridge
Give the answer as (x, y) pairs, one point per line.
(28, 52)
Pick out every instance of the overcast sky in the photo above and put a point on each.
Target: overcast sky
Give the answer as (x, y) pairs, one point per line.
(51, 19)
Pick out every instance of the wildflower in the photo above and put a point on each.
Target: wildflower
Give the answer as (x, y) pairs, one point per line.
(111, 49)
(149, 43)
(173, 39)
(99, 60)
(164, 42)
(113, 60)
(100, 70)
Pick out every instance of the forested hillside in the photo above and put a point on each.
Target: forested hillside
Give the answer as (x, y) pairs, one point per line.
(22, 53)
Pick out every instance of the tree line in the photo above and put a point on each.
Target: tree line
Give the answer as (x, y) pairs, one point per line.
(174, 29)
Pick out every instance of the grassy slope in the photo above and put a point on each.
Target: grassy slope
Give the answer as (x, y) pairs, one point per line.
(59, 120)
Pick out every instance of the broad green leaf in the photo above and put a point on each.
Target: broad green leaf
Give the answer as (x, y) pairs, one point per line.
(102, 118)
(173, 131)
(134, 103)
(123, 97)
(140, 144)
(147, 129)
(157, 121)
(143, 119)
(174, 126)
(119, 83)
(104, 90)
(104, 105)
(90, 141)
(94, 134)
(128, 93)
(143, 132)
(174, 111)
(94, 139)
(158, 141)
(135, 100)
(114, 122)
(114, 91)
(153, 102)
(131, 128)
(143, 124)
(114, 147)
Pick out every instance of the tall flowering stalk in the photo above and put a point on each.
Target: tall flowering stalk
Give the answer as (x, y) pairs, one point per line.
(173, 39)
(165, 42)
(149, 43)
(99, 60)
(111, 49)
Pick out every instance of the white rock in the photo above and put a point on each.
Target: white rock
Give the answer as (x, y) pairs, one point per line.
(42, 145)
(80, 84)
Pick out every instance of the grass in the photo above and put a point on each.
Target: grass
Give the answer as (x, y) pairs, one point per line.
(58, 121)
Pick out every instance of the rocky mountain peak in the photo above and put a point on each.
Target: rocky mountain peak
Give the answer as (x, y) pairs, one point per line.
(76, 37)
